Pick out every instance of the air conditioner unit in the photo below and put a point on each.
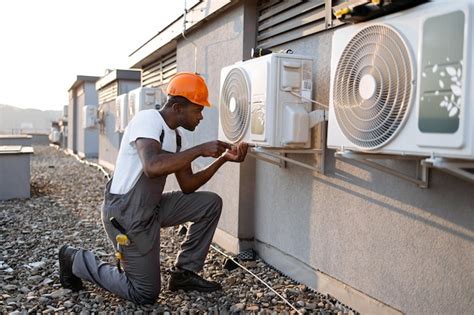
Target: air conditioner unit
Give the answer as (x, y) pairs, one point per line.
(121, 112)
(89, 117)
(54, 136)
(144, 98)
(259, 101)
(404, 84)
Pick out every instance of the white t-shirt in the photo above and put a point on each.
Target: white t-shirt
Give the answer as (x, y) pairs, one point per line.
(128, 167)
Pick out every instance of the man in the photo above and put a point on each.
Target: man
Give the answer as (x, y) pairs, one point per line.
(138, 207)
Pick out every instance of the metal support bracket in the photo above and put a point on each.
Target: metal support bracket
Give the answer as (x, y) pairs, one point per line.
(455, 167)
(328, 14)
(421, 179)
(279, 157)
(317, 117)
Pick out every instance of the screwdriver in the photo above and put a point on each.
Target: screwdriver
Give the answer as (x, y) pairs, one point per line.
(122, 240)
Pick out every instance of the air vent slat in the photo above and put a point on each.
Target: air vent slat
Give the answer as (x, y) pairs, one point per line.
(373, 86)
(234, 105)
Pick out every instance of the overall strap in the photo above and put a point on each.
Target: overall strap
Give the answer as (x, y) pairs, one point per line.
(162, 136)
(178, 140)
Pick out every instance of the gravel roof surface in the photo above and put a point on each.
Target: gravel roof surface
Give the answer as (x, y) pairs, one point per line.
(64, 208)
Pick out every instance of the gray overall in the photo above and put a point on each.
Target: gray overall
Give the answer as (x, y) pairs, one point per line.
(142, 212)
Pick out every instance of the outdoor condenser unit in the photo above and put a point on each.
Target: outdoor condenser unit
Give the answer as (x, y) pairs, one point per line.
(264, 101)
(404, 84)
(143, 98)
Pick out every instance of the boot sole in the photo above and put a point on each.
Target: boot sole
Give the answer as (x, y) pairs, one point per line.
(192, 288)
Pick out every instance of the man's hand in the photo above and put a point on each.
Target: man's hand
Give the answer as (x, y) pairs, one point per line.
(189, 182)
(237, 152)
(214, 148)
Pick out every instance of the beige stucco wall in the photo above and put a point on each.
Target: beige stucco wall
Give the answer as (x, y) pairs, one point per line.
(410, 248)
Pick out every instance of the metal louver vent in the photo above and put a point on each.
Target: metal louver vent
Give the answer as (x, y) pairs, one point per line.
(373, 86)
(234, 105)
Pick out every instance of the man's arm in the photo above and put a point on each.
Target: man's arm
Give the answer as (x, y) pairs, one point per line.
(190, 182)
(158, 163)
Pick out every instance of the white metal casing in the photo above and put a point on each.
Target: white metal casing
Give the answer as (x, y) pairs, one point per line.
(409, 139)
(89, 118)
(143, 98)
(285, 116)
(121, 112)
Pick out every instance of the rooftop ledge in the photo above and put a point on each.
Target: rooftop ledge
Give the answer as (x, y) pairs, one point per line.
(15, 149)
(163, 41)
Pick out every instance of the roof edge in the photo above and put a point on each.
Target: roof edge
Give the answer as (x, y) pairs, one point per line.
(118, 74)
(82, 79)
(173, 31)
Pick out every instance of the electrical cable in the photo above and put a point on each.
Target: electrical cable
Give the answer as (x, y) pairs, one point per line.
(310, 100)
(256, 277)
(184, 36)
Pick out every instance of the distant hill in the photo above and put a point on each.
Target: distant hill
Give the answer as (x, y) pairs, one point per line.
(14, 119)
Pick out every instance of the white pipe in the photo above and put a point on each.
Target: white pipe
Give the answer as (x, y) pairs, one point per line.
(258, 150)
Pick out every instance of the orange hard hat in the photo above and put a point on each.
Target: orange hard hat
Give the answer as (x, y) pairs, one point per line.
(189, 85)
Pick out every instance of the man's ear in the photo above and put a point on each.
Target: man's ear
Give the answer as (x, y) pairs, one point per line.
(177, 107)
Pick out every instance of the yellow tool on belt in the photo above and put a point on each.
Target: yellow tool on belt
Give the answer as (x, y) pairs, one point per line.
(122, 240)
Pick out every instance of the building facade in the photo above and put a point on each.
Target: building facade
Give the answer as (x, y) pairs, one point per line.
(374, 241)
(113, 84)
(81, 140)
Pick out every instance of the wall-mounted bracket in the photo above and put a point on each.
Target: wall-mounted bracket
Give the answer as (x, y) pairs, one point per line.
(317, 117)
(279, 157)
(455, 167)
(421, 178)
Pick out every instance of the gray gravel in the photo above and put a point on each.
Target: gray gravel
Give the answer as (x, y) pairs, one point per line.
(64, 208)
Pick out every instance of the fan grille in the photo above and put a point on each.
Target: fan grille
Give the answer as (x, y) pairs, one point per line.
(373, 86)
(234, 105)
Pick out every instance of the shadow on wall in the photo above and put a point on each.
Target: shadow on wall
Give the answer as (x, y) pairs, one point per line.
(298, 216)
(440, 199)
(247, 194)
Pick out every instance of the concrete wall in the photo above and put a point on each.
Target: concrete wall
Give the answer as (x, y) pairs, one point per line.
(39, 139)
(72, 123)
(24, 140)
(84, 142)
(15, 175)
(126, 86)
(80, 102)
(374, 237)
(109, 140)
(220, 42)
(408, 247)
(90, 144)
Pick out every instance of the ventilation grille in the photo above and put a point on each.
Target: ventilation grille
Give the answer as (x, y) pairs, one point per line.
(234, 105)
(159, 72)
(373, 86)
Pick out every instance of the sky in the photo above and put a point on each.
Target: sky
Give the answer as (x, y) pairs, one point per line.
(45, 44)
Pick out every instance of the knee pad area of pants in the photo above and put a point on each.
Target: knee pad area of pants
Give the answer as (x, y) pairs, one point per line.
(145, 297)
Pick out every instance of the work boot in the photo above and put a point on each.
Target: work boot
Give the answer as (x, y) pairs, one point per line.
(189, 281)
(67, 278)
